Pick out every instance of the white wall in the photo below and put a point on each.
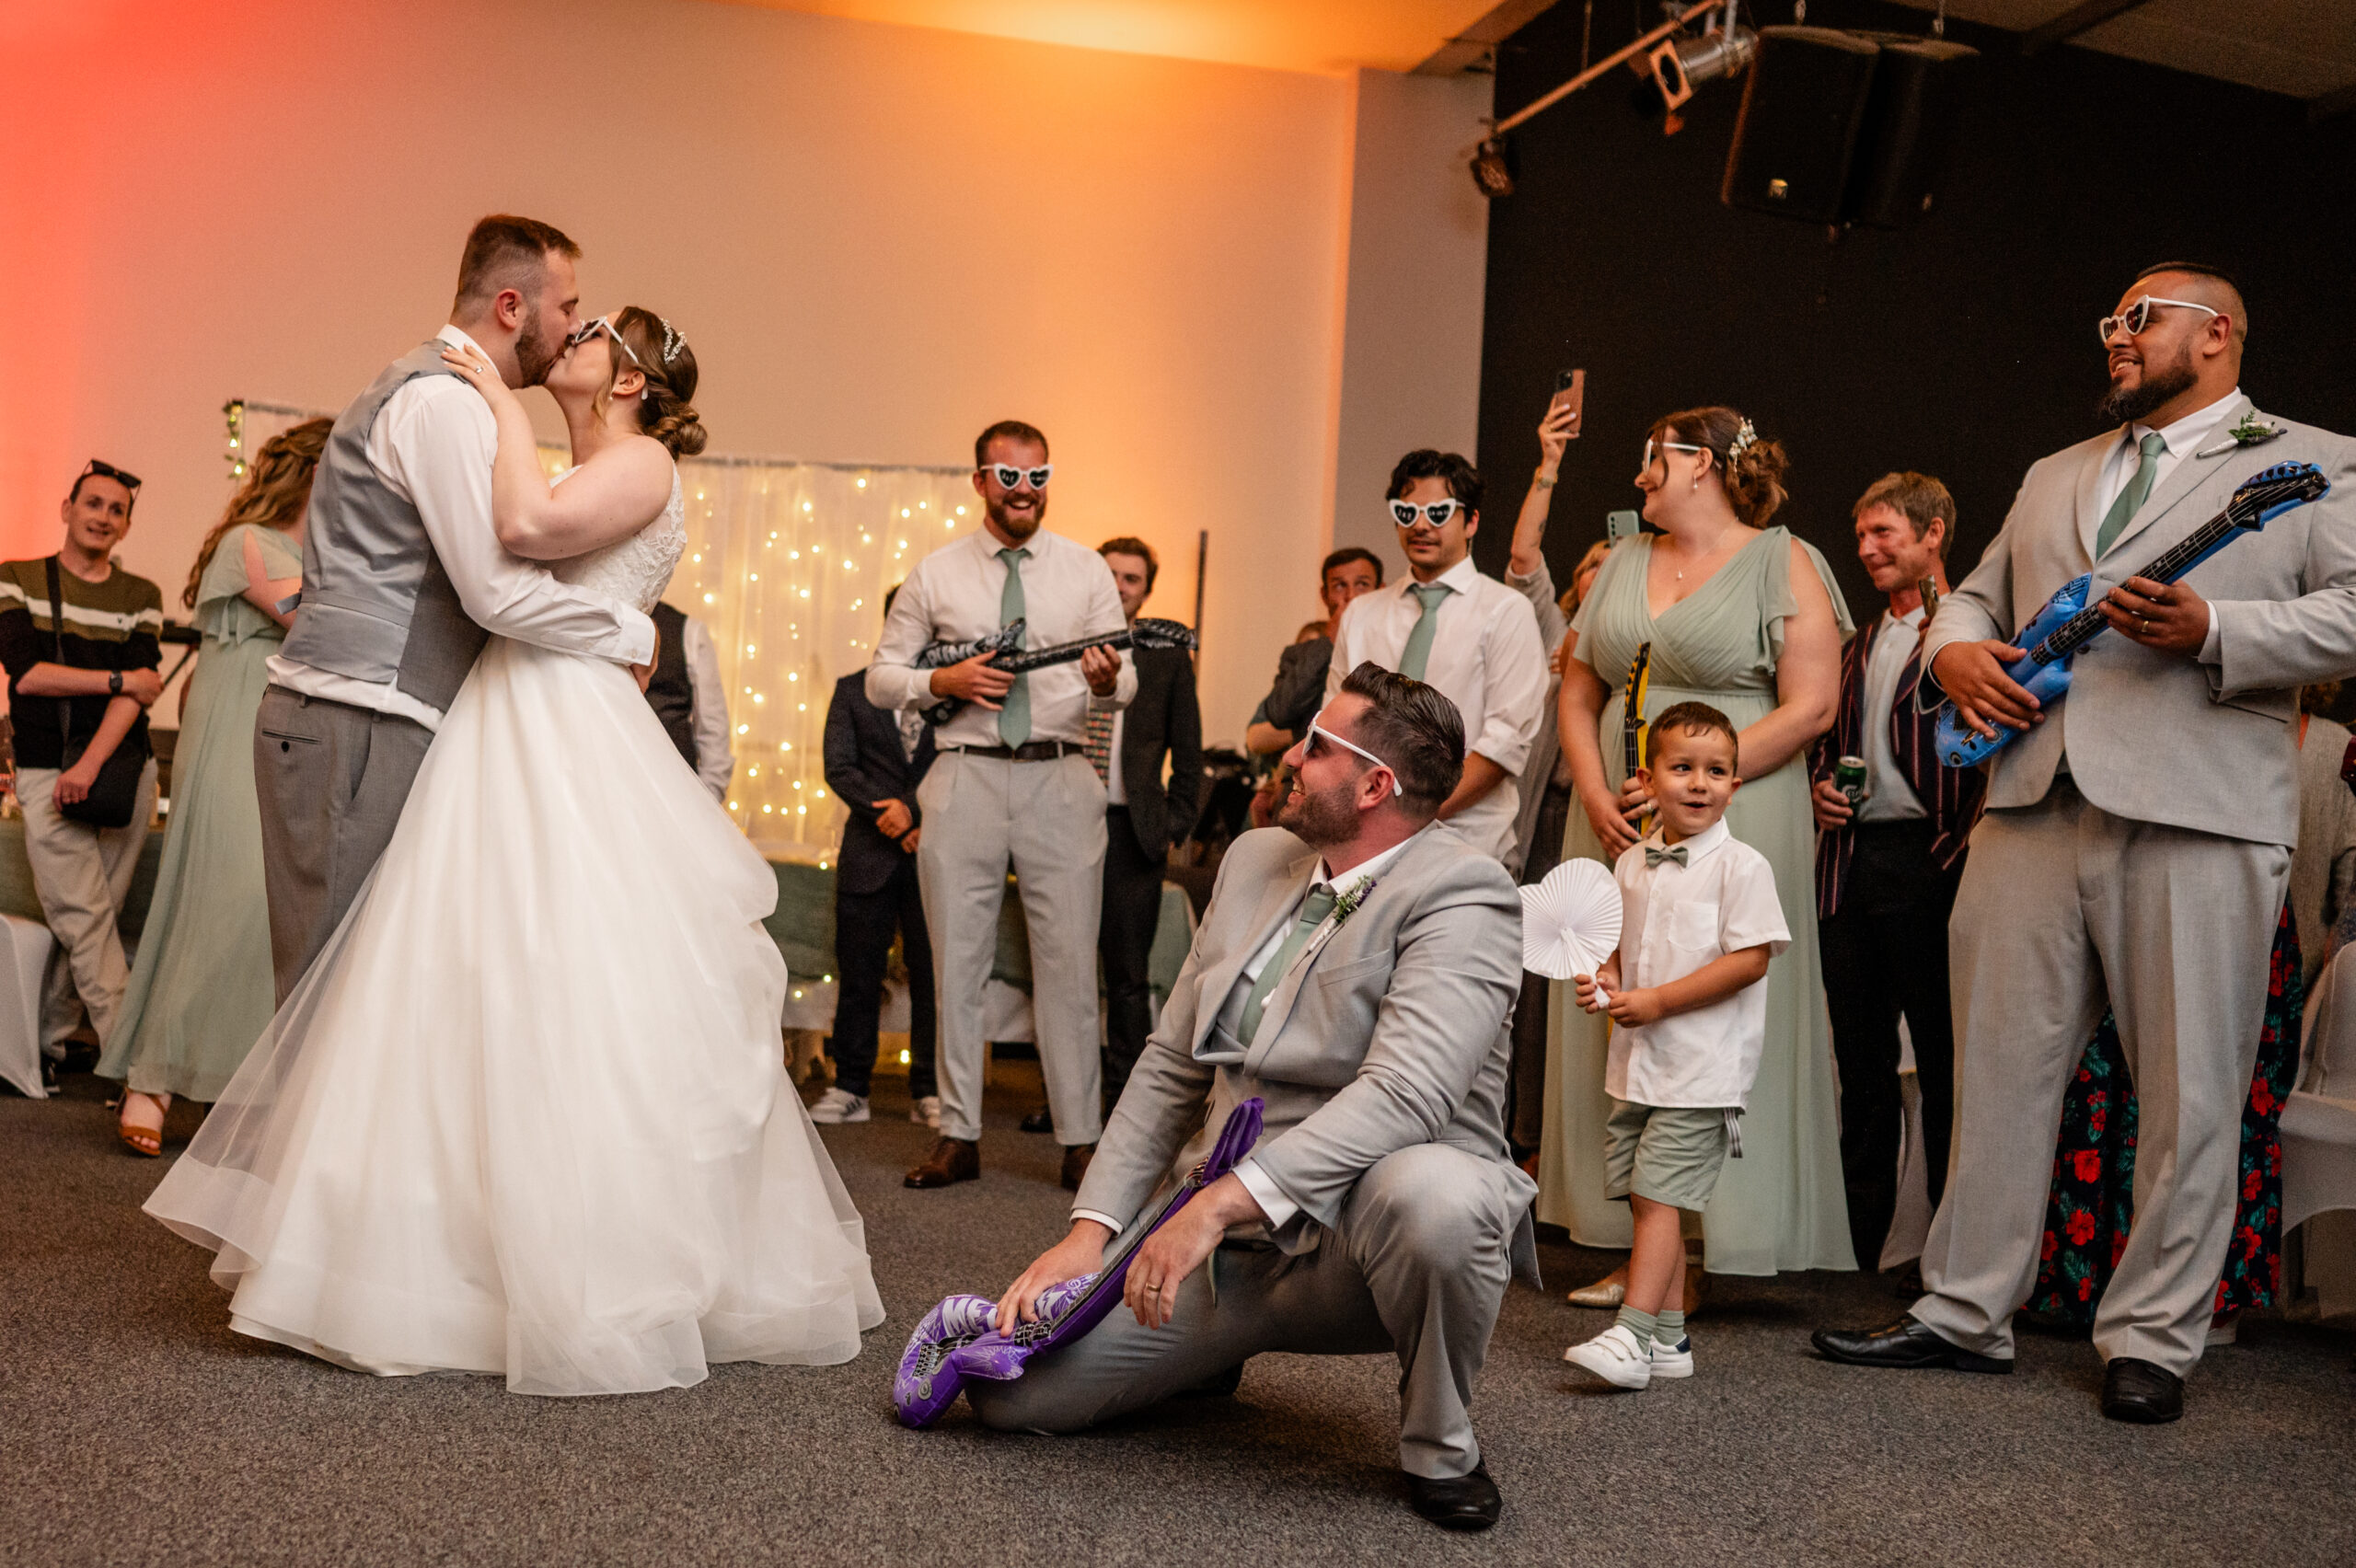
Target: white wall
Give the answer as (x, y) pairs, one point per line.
(1410, 371)
(879, 240)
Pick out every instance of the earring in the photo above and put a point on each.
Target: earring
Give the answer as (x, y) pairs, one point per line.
(1697, 480)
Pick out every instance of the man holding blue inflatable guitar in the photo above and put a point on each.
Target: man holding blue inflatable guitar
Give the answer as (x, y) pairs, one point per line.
(2195, 567)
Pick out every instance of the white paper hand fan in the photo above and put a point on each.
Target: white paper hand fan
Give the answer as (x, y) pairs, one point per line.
(1570, 921)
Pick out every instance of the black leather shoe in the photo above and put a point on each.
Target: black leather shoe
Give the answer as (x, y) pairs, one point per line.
(951, 1160)
(1076, 1158)
(1043, 1120)
(2139, 1391)
(1902, 1344)
(1460, 1502)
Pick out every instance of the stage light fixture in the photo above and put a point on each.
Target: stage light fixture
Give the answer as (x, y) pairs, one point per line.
(1679, 65)
(1493, 168)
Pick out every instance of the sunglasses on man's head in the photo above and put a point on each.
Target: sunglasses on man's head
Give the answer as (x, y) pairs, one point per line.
(97, 469)
(1308, 749)
(1404, 513)
(1009, 476)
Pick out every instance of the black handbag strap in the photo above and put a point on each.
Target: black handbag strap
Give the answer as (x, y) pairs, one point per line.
(57, 635)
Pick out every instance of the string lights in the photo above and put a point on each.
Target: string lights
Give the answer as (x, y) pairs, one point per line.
(786, 566)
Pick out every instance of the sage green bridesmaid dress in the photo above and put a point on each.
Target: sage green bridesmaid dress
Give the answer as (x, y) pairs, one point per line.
(201, 992)
(1782, 1206)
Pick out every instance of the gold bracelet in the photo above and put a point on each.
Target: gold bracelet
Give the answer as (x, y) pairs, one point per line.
(1544, 482)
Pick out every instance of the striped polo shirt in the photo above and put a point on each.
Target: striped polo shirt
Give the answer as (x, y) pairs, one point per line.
(113, 625)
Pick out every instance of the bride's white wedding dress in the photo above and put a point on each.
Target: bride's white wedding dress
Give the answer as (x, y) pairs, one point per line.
(527, 1112)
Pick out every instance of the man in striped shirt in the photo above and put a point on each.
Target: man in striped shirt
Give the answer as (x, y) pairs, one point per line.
(1887, 868)
(84, 663)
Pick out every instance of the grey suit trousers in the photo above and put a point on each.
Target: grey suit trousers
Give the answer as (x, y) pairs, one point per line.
(2065, 909)
(332, 780)
(1418, 1267)
(1045, 820)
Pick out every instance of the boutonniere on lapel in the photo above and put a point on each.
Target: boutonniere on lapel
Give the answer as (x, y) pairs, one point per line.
(2252, 432)
(1347, 903)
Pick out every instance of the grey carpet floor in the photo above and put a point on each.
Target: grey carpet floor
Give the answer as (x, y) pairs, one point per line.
(134, 1428)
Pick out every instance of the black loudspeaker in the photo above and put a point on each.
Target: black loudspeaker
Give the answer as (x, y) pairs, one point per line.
(1803, 114)
(1918, 84)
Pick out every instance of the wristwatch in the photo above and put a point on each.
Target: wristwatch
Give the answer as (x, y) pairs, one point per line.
(114, 683)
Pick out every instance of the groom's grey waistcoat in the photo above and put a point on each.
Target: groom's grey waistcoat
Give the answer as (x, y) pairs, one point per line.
(377, 605)
(1389, 1031)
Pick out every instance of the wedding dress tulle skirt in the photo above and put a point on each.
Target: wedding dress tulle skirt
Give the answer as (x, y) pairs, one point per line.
(527, 1112)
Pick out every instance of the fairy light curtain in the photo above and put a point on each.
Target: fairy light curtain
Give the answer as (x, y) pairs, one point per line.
(787, 565)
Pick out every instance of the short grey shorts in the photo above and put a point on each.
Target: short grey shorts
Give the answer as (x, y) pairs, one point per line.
(1670, 1154)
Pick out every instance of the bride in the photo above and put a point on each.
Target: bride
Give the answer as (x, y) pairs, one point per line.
(527, 1111)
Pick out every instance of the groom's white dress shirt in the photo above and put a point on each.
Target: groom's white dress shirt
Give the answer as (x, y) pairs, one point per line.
(2186, 436)
(1223, 1039)
(433, 444)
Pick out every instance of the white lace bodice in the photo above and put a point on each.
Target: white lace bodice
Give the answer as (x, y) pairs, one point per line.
(637, 568)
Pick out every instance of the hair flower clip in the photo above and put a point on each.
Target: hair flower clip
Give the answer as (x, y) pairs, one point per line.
(672, 341)
(1745, 438)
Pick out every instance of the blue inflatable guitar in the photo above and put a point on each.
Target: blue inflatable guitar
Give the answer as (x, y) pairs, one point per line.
(2069, 621)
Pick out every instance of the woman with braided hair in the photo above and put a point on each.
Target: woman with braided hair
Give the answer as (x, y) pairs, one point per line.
(526, 1112)
(1743, 617)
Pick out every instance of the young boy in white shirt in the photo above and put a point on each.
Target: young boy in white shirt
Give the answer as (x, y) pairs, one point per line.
(1688, 991)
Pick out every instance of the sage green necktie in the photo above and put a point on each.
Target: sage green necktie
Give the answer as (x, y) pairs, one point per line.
(2139, 490)
(1015, 712)
(1418, 652)
(1313, 910)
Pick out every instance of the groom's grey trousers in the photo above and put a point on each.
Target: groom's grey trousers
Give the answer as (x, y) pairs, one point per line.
(2065, 909)
(332, 780)
(1418, 1267)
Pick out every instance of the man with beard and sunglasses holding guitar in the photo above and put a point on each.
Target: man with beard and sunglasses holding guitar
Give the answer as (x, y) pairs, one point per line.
(2138, 835)
(1011, 787)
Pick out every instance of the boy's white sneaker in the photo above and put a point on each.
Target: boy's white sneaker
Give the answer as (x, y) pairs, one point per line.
(836, 1106)
(1673, 1360)
(1615, 1356)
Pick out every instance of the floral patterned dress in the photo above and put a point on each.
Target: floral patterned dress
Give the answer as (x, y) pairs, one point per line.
(2093, 1198)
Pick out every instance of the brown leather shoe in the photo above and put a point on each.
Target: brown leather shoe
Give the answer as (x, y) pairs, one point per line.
(951, 1160)
(1076, 1158)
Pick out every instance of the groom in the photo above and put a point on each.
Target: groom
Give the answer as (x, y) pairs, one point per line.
(403, 582)
(1355, 970)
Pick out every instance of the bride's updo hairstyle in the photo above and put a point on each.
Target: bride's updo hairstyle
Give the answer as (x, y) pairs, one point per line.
(664, 412)
(1750, 467)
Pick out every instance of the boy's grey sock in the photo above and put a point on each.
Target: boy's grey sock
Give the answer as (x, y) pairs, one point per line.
(1641, 1324)
(1669, 1326)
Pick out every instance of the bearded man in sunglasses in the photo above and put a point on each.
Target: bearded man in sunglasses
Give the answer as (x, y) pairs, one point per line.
(1469, 636)
(1010, 786)
(1353, 970)
(2137, 838)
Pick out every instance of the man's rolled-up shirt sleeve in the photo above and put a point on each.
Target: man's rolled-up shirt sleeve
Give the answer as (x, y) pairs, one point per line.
(1515, 662)
(442, 444)
(892, 680)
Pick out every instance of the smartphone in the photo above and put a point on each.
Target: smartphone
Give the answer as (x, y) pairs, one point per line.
(1570, 390)
(1619, 526)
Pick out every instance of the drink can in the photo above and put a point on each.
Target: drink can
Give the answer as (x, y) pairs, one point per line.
(1849, 778)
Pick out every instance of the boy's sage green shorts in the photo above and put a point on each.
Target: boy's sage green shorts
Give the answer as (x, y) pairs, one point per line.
(1670, 1154)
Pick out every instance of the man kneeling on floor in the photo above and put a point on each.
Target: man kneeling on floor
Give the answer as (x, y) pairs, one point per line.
(1355, 970)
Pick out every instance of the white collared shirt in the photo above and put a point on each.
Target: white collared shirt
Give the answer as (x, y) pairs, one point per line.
(1116, 792)
(1889, 795)
(1675, 919)
(2184, 437)
(1357, 879)
(1487, 658)
(433, 445)
(952, 596)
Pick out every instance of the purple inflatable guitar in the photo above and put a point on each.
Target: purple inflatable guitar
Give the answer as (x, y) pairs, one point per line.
(955, 1342)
